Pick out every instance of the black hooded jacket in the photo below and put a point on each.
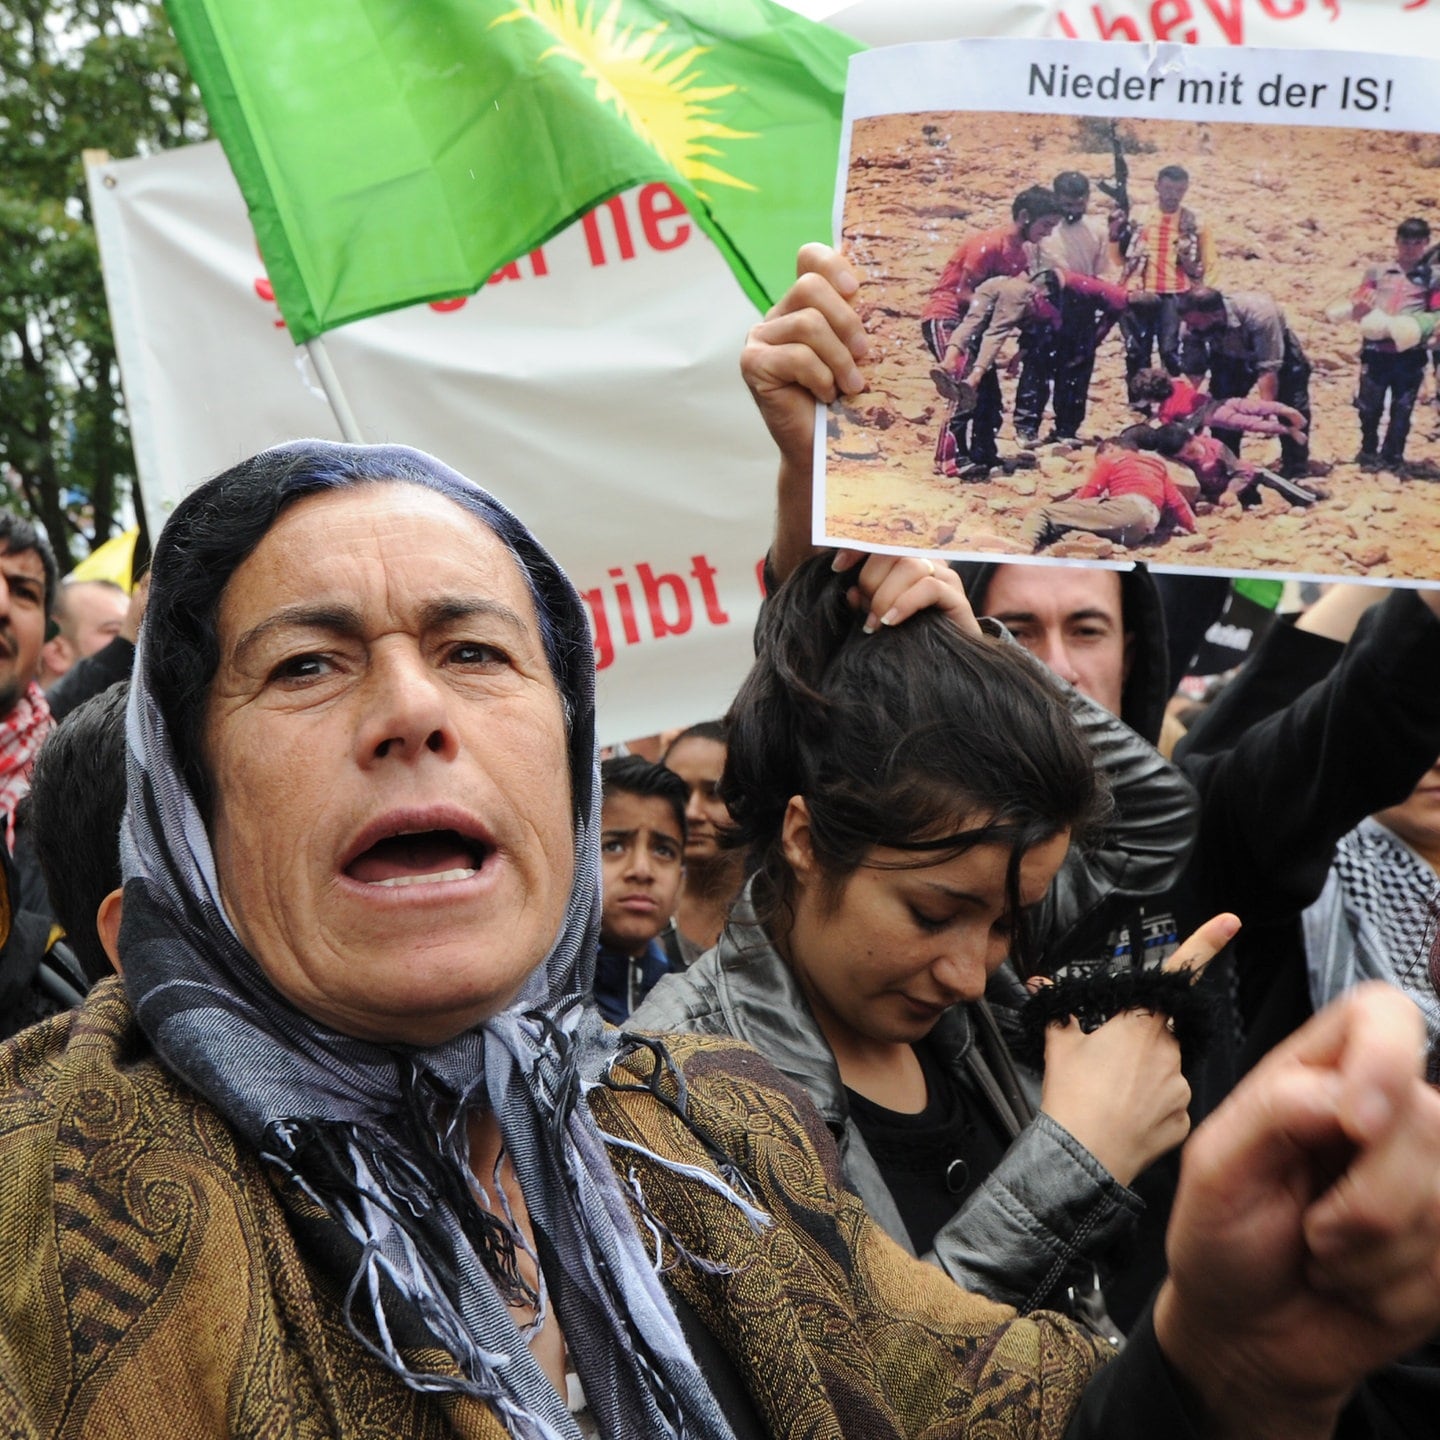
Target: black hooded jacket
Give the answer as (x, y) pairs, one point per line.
(1149, 685)
(1310, 738)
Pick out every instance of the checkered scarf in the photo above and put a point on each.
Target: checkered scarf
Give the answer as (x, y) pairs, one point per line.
(1375, 920)
(22, 732)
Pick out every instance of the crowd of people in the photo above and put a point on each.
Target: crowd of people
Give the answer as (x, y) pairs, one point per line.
(383, 1065)
(1036, 297)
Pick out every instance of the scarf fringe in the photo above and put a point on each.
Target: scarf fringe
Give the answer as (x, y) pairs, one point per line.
(387, 1203)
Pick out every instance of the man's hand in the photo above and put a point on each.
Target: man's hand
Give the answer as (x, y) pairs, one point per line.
(804, 350)
(1305, 1241)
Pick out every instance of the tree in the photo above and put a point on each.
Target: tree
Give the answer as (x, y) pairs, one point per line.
(74, 75)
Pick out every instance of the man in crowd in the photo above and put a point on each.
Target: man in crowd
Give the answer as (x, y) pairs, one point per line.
(30, 582)
(642, 861)
(966, 447)
(1389, 368)
(94, 673)
(29, 590)
(88, 615)
(1168, 252)
(1242, 339)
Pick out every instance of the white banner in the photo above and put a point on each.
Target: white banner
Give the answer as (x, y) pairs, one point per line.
(593, 386)
(1400, 27)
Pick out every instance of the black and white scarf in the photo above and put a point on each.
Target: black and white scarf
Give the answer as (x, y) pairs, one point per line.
(1375, 920)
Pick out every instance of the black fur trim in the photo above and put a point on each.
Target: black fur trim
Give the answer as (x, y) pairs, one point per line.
(1093, 999)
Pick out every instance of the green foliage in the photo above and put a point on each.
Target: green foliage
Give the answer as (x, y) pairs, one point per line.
(74, 75)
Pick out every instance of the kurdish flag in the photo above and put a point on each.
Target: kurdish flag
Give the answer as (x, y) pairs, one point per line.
(394, 151)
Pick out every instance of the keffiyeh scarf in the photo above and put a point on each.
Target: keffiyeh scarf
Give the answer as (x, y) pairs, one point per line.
(1375, 920)
(22, 732)
(376, 1134)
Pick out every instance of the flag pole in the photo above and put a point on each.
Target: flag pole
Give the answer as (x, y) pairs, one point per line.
(334, 393)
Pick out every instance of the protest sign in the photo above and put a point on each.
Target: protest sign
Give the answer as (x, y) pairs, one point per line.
(1251, 253)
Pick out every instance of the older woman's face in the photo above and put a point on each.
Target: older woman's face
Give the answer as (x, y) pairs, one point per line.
(392, 824)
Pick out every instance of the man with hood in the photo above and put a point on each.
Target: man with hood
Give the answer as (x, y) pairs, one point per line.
(1271, 806)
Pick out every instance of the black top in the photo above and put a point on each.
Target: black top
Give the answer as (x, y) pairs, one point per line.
(933, 1159)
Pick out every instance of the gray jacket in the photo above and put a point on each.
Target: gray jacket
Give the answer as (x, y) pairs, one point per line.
(1035, 1226)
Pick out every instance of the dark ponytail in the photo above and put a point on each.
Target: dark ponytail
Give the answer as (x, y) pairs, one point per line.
(916, 738)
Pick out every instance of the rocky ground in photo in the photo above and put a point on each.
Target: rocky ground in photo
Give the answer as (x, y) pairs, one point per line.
(1297, 213)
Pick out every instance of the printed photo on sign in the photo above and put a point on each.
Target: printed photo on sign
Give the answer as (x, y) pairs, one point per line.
(1138, 303)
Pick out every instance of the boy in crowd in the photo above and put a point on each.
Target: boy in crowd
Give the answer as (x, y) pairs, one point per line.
(71, 822)
(1129, 496)
(1407, 286)
(642, 861)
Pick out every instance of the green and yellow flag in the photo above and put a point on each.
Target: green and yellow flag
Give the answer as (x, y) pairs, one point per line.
(394, 151)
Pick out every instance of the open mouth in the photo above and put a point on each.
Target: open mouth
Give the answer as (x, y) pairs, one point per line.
(422, 857)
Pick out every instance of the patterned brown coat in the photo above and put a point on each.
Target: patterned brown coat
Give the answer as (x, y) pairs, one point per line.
(153, 1281)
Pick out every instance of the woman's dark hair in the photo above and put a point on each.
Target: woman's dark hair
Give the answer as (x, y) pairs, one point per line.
(898, 739)
(701, 730)
(217, 527)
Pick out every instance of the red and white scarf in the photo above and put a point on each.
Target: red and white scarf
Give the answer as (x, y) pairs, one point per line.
(21, 734)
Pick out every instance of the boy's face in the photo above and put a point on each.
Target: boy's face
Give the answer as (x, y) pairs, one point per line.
(642, 859)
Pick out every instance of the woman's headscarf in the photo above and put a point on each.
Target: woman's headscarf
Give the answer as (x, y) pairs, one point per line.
(374, 1133)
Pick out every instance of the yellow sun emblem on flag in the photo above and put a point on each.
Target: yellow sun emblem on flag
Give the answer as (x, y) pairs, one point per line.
(654, 85)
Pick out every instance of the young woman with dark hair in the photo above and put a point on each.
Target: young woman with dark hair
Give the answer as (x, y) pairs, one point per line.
(922, 801)
(713, 871)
